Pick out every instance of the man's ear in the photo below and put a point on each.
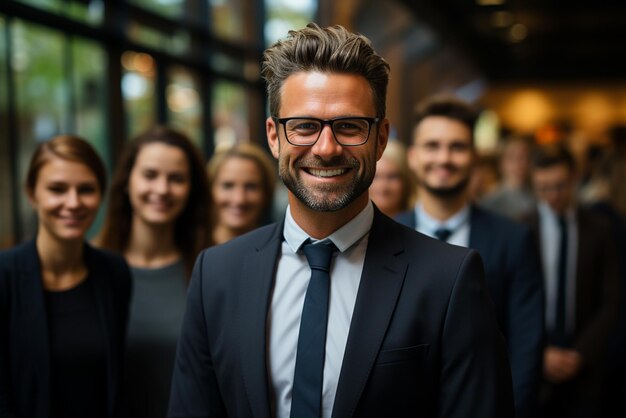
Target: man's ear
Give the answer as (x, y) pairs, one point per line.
(271, 130)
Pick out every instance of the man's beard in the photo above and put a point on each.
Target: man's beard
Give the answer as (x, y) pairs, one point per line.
(447, 192)
(319, 199)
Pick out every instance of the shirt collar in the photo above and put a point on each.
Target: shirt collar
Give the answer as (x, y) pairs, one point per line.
(343, 238)
(428, 223)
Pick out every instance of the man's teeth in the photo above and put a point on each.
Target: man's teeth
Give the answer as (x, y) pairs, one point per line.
(327, 173)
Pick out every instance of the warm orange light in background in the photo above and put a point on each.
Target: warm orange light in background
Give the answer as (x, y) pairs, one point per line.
(548, 134)
(586, 111)
(138, 61)
(180, 99)
(489, 2)
(527, 110)
(594, 112)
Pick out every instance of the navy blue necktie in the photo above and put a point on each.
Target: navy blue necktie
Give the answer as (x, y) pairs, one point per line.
(443, 234)
(308, 378)
(559, 334)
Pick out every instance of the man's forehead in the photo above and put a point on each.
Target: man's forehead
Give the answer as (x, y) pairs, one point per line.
(442, 128)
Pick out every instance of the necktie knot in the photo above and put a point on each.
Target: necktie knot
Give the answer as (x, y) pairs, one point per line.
(319, 254)
(443, 234)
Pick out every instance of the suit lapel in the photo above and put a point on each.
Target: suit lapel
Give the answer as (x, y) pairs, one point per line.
(258, 275)
(381, 282)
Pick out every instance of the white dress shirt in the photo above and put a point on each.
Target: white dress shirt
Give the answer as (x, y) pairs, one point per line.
(458, 225)
(292, 278)
(550, 241)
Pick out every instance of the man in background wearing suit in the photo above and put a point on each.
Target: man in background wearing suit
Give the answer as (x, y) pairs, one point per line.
(385, 322)
(580, 270)
(442, 156)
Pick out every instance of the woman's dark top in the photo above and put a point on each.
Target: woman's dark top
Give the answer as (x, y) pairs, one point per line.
(26, 346)
(156, 314)
(78, 366)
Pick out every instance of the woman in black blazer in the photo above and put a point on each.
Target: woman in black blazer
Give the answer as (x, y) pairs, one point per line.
(63, 304)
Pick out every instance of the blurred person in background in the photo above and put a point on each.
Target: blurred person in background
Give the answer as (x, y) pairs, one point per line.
(443, 157)
(484, 178)
(513, 196)
(393, 188)
(241, 180)
(63, 304)
(605, 195)
(580, 271)
(158, 218)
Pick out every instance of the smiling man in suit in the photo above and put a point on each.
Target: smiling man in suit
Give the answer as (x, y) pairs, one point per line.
(337, 311)
(442, 156)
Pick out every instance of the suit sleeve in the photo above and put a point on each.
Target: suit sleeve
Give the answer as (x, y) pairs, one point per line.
(475, 374)
(195, 391)
(525, 316)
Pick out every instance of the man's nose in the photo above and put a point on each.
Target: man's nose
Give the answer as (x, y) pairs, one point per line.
(327, 145)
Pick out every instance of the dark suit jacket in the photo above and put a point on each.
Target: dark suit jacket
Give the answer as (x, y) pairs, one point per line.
(514, 278)
(24, 344)
(423, 339)
(597, 294)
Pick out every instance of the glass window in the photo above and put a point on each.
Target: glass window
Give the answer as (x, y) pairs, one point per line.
(167, 8)
(230, 114)
(61, 83)
(184, 104)
(49, 5)
(175, 42)
(42, 99)
(90, 94)
(86, 11)
(6, 213)
(138, 91)
(234, 19)
(285, 15)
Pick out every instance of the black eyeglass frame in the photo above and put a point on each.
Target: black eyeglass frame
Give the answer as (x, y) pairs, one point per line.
(329, 122)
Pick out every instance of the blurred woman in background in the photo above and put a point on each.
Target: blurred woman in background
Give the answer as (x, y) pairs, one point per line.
(158, 219)
(393, 188)
(63, 304)
(242, 181)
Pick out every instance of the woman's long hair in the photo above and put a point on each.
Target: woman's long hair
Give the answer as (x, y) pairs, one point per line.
(193, 225)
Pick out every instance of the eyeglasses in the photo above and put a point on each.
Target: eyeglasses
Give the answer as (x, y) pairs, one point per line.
(348, 131)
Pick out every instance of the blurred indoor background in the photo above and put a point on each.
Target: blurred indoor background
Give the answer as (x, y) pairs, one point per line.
(108, 69)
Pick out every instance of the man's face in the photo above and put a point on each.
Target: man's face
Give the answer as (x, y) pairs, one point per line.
(326, 176)
(442, 155)
(554, 185)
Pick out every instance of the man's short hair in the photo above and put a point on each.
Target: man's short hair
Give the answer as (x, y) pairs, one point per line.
(547, 156)
(449, 107)
(327, 50)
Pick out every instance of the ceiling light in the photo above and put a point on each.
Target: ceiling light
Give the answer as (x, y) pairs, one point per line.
(502, 19)
(518, 32)
(490, 2)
